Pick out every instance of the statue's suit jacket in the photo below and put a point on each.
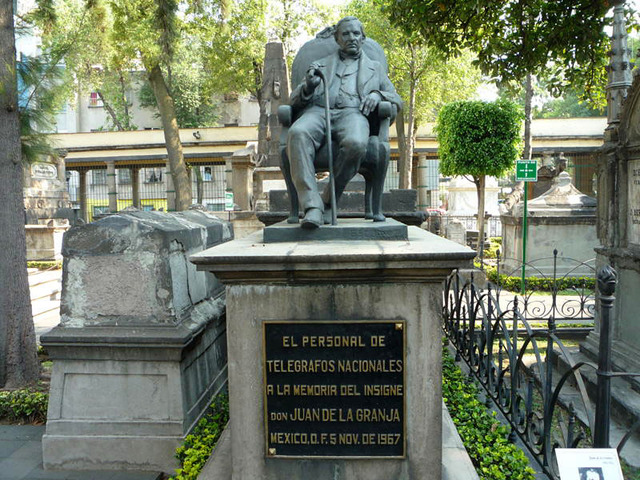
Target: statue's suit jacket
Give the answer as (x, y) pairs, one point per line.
(371, 78)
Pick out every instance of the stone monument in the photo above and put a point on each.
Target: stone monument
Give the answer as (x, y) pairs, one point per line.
(334, 355)
(45, 192)
(334, 331)
(619, 202)
(141, 345)
(463, 197)
(562, 218)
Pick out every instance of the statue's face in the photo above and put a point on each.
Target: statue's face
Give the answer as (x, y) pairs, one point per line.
(349, 38)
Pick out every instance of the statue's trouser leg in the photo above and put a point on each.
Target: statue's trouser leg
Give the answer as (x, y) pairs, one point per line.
(304, 139)
(350, 129)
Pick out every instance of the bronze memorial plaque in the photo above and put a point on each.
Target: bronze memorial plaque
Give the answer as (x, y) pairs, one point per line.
(334, 389)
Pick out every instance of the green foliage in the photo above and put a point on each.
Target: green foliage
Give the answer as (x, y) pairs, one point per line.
(197, 446)
(536, 284)
(484, 437)
(190, 87)
(568, 106)
(234, 39)
(24, 406)
(412, 62)
(494, 246)
(518, 37)
(82, 35)
(40, 98)
(478, 138)
(45, 265)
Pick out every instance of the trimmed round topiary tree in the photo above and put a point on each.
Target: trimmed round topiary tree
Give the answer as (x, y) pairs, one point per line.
(477, 139)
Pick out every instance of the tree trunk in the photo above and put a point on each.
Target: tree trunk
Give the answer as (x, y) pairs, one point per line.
(199, 184)
(181, 181)
(528, 96)
(480, 182)
(18, 356)
(110, 111)
(407, 164)
(402, 140)
(125, 104)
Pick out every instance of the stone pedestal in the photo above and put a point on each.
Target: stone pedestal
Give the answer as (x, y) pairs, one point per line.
(141, 346)
(397, 204)
(266, 179)
(335, 287)
(562, 218)
(44, 241)
(242, 165)
(45, 192)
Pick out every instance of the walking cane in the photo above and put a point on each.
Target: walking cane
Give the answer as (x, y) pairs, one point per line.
(332, 182)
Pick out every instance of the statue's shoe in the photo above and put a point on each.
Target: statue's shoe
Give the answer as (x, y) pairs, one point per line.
(312, 219)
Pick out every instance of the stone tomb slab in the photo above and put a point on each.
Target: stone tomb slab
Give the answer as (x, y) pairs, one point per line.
(346, 229)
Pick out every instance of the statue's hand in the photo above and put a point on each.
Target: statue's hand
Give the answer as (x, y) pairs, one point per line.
(370, 103)
(312, 79)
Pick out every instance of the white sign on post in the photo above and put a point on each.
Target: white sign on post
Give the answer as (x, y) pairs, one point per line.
(588, 464)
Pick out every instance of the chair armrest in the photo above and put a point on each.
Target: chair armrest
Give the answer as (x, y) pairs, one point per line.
(285, 115)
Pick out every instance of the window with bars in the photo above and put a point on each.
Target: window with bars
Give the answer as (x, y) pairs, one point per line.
(98, 177)
(124, 176)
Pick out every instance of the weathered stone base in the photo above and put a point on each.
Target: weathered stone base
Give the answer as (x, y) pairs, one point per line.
(337, 281)
(124, 398)
(456, 464)
(346, 229)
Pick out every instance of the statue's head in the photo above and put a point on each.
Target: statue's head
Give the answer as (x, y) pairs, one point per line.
(349, 35)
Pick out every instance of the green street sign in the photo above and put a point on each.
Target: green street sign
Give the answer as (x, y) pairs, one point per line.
(526, 170)
(228, 201)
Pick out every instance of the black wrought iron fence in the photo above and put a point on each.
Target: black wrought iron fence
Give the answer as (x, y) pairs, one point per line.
(511, 360)
(569, 283)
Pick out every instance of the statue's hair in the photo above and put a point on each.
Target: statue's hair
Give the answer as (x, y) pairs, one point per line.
(348, 19)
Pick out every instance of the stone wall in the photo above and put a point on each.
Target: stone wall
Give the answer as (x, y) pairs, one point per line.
(141, 347)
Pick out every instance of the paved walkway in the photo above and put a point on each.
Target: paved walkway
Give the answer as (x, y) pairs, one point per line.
(21, 459)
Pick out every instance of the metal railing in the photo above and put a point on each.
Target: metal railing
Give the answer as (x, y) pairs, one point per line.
(511, 360)
(573, 278)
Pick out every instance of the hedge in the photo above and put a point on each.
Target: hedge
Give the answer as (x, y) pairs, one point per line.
(484, 437)
(45, 264)
(24, 406)
(537, 284)
(198, 446)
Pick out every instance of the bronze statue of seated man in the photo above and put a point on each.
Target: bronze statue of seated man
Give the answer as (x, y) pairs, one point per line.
(356, 84)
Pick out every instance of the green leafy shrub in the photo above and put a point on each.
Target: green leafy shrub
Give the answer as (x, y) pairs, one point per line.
(484, 437)
(494, 245)
(24, 406)
(197, 446)
(536, 284)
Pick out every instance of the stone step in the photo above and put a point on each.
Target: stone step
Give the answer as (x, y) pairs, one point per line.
(44, 305)
(50, 290)
(625, 403)
(45, 321)
(38, 277)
